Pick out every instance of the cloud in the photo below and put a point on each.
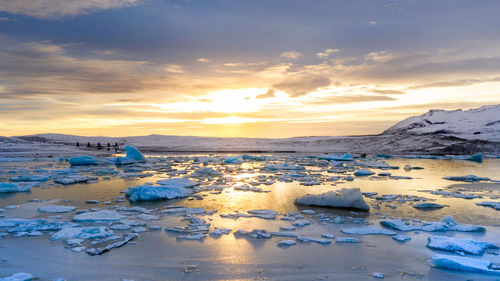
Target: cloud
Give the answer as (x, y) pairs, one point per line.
(51, 9)
(326, 53)
(269, 94)
(356, 98)
(44, 68)
(291, 55)
(203, 60)
(302, 83)
(174, 68)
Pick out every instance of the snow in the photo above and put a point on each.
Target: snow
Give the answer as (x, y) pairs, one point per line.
(21, 276)
(104, 215)
(56, 209)
(478, 123)
(452, 244)
(463, 264)
(467, 178)
(343, 198)
(447, 223)
(368, 231)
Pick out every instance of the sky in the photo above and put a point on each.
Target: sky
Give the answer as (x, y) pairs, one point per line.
(231, 68)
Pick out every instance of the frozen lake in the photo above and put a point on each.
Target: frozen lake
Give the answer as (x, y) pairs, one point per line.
(242, 184)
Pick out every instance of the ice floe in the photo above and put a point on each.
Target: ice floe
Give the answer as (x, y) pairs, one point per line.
(464, 264)
(447, 223)
(104, 215)
(56, 209)
(21, 276)
(491, 204)
(81, 232)
(343, 198)
(467, 178)
(453, 244)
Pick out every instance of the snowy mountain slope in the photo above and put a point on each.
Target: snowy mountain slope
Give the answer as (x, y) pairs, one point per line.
(436, 132)
(478, 123)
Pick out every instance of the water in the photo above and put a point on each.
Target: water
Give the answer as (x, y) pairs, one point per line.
(158, 255)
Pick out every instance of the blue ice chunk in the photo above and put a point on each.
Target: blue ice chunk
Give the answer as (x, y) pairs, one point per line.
(384, 156)
(6, 187)
(464, 264)
(475, 158)
(87, 161)
(363, 172)
(345, 157)
(453, 244)
(21, 276)
(134, 154)
(233, 160)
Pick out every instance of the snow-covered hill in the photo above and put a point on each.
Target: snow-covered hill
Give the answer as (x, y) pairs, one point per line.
(478, 123)
(436, 132)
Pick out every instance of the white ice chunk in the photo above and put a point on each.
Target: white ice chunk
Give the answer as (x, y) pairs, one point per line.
(343, 198)
(286, 243)
(452, 244)
(56, 209)
(464, 264)
(18, 277)
(104, 215)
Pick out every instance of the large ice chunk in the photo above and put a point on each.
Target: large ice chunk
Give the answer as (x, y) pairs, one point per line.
(343, 198)
(452, 244)
(134, 154)
(104, 215)
(87, 161)
(168, 189)
(6, 187)
(464, 264)
(151, 192)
